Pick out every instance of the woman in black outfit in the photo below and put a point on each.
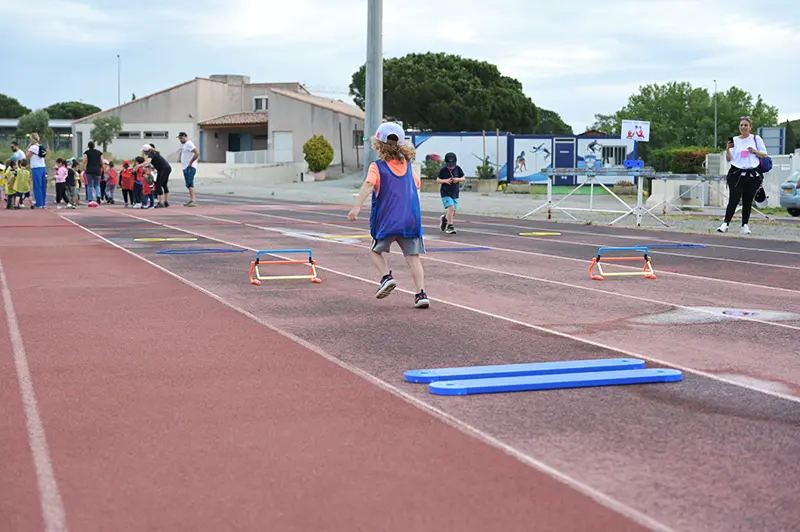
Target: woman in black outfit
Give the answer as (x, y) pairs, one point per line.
(745, 175)
(154, 157)
(93, 166)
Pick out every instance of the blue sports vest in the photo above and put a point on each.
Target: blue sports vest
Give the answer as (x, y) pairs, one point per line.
(395, 210)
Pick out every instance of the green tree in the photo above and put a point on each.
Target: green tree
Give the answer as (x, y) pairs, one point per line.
(443, 92)
(551, 123)
(71, 110)
(105, 130)
(35, 122)
(682, 115)
(11, 108)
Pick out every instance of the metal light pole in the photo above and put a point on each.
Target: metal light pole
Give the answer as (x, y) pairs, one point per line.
(715, 114)
(374, 81)
(119, 68)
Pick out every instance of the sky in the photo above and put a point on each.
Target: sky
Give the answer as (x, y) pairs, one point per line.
(576, 57)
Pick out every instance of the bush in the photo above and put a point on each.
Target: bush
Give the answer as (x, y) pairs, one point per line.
(485, 170)
(688, 160)
(318, 153)
(431, 166)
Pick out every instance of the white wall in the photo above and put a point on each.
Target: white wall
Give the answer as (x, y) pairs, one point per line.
(305, 120)
(783, 165)
(267, 174)
(129, 148)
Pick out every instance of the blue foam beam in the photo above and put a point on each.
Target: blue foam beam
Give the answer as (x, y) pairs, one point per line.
(518, 370)
(670, 246)
(553, 382)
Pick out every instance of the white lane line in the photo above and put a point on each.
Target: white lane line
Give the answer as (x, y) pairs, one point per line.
(571, 259)
(640, 238)
(625, 352)
(522, 276)
(596, 235)
(573, 231)
(462, 426)
(53, 513)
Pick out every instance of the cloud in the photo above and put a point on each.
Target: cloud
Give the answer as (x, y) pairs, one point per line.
(577, 57)
(271, 24)
(66, 23)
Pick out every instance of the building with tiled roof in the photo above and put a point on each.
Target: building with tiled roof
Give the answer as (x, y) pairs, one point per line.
(229, 118)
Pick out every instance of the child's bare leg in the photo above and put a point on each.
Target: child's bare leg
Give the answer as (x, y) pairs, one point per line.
(417, 273)
(380, 262)
(451, 212)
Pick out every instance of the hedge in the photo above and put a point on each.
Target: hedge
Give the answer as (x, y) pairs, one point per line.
(689, 160)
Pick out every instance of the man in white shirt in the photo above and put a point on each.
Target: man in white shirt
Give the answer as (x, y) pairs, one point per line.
(16, 153)
(188, 158)
(38, 172)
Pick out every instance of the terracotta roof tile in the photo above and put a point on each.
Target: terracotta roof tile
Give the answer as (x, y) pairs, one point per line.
(237, 119)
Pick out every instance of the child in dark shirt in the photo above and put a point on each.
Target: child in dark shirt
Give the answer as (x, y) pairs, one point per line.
(450, 177)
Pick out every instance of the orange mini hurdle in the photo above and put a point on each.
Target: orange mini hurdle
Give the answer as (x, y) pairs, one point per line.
(312, 275)
(647, 272)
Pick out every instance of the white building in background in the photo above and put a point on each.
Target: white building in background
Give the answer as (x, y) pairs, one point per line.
(232, 120)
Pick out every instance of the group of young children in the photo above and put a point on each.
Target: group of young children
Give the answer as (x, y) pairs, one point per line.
(138, 192)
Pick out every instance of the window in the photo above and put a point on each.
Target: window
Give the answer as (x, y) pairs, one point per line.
(156, 134)
(260, 103)
(614, 154)
(358, 138)
(129, 135)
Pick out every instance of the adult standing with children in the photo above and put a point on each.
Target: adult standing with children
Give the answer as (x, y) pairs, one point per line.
(93, 167)
(36, 154)
(745, 176)
(154, 158)
(188, 158)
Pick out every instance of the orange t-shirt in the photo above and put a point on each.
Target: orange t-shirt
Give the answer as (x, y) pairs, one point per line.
(398, 168)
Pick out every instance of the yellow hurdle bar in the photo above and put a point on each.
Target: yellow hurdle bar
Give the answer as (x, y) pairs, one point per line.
(646, 272)
(312, 275)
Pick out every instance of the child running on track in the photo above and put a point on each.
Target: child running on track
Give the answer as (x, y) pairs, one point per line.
(395, 215)
(450, 177)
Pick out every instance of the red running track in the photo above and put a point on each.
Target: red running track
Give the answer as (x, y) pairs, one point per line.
(166, 409)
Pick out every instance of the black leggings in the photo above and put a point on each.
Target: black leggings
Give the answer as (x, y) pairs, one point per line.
(127, 195)
(743, 185)
(161, 182)
(61, 193)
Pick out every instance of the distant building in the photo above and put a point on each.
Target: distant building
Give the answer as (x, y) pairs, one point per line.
(232, 120)
(62, 134)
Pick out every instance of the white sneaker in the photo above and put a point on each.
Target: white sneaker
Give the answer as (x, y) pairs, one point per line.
(723, 228)
(746, 230)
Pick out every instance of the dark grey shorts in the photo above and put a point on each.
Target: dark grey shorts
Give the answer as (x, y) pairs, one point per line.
(409, 246)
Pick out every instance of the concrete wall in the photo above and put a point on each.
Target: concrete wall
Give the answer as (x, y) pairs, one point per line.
(305, 120)
(213, 100)
(129, 148)
(714, 193)
(266, 174)
(170, 111)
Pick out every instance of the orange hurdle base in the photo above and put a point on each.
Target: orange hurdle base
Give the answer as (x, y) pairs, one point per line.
(647, 272)
(312, 275)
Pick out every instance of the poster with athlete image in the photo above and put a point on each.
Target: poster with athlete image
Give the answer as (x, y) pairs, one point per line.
(636, 130)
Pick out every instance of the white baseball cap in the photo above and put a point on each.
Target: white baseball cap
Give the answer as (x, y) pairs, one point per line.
(390, 128)
(146, 148)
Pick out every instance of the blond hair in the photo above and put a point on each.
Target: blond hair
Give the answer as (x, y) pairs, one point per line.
(394, 152)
